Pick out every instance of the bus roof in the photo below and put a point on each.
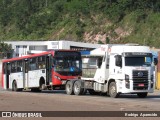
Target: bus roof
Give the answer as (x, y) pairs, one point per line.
(34, 55)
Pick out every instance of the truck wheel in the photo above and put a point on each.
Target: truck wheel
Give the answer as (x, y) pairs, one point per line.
(113, 90)
(142, 95)
(78, 90)
(69, 88)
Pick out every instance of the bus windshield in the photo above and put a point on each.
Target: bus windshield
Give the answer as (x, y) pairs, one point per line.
(138, 61)
(67, 62)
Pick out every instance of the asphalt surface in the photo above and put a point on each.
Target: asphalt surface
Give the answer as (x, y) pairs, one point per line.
(59, 101)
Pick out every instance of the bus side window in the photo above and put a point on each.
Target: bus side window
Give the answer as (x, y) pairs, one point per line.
(8, 68)
(19, 66)
(33, 64)
(41, 62)
(13, 67)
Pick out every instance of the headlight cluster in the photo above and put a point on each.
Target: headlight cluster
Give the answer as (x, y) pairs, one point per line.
(57, 77)
(127, 82)
(152, 80)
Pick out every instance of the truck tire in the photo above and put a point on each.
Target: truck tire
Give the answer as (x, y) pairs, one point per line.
(113, 90)
(142, 95)
(77, 88)
(69, 88)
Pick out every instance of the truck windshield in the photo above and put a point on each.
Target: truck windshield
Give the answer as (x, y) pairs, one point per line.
(138, 61)
(67, 62)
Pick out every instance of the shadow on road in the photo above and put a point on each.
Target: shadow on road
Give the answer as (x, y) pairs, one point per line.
(122, 96)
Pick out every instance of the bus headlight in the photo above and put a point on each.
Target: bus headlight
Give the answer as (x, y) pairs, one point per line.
(57, 77)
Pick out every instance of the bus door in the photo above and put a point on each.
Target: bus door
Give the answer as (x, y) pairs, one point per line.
(7, 71)
(25, 73)
(48, 69)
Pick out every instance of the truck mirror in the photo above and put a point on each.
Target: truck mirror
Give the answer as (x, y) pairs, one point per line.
(118, 60)
(155, 61)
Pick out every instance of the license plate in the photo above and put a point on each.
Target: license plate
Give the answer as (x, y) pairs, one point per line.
(141, 85)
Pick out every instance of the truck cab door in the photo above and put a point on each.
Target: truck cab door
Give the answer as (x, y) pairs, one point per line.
(115, 65)
(100, 75)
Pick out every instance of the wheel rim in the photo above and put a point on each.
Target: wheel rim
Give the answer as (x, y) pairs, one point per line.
(113, 90)
(68, 88)
(76, 88)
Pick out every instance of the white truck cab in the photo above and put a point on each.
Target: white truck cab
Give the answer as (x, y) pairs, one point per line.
(119, 69)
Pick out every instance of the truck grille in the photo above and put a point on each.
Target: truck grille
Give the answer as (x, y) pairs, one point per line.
(140, 80)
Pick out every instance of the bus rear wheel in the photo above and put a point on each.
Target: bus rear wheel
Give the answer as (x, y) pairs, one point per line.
(69, 88)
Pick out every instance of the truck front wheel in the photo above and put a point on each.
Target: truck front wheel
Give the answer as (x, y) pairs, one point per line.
(142, 95)
(113, 90)
(69, 88)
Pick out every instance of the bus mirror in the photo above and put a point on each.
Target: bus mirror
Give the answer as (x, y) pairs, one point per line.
(118, 60)
(155, 61)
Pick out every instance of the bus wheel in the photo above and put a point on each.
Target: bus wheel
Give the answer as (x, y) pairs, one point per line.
(69, 88)
(14, 86)
(113, 90)
(78, 90)
(142, 95)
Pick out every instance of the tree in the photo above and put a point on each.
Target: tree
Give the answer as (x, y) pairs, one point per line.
(5, 50)
(107, 40)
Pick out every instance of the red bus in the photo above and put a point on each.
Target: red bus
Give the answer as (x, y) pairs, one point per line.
(47, 70)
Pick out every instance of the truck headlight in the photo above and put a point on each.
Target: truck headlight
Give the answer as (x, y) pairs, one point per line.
(152, 81)
(152, 78)
(126, 77)
(127, 82)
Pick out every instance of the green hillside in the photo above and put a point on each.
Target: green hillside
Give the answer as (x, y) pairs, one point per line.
(96, 21)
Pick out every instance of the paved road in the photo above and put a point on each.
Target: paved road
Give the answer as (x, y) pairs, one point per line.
(59, 101)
